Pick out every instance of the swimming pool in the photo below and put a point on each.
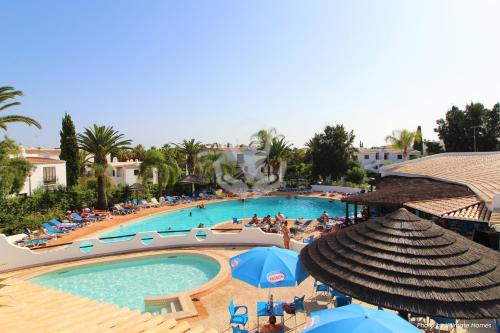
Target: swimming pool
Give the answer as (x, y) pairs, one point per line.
(127, 282)
(191, 217)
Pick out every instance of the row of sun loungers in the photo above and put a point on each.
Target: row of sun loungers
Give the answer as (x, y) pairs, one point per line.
(55, 228)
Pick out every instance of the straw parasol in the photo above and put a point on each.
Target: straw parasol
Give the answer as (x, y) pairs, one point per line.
(136, 187)
(409, 264)
(191, 179)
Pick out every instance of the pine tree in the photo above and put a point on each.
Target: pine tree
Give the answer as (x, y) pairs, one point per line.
(418, 143)
(69, 150)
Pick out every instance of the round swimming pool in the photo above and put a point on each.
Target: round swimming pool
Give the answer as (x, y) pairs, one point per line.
(127, 282)
(191, 217)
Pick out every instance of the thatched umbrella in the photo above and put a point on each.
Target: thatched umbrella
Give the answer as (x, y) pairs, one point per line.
(191, 179)
(136, 188)
(409, 264)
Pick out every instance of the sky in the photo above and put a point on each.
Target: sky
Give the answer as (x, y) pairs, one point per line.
(160, 71)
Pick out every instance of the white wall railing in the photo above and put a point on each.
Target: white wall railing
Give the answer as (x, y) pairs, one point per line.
(14, 257)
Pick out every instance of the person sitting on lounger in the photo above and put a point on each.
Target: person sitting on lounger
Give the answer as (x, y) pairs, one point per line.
(255, 219)
(324, 217)
(271, 326)
(69, 217)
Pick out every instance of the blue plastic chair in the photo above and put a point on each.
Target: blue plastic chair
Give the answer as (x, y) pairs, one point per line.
(342, 301)
(335, 293)
(298, 306)
(236, 221)
(320, 287)
(241, 318)
(237, 329)
(298, 303)
(309, 240)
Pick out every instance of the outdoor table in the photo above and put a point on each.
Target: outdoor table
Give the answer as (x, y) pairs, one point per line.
(277, 311)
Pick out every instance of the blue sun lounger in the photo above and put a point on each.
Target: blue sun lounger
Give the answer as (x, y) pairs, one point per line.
(78, 218)
(53, 231)
(59, 225)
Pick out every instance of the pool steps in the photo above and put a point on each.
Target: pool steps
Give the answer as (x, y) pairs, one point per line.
(32, 307)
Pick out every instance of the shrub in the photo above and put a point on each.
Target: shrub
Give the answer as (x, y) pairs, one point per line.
(355, 175)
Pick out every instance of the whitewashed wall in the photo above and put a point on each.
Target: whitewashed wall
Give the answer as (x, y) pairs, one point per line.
(13, 257)
(328, 188)
(37, 177)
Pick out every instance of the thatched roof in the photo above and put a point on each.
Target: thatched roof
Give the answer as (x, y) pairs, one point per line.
(409, 264)
(136, 187)
(395, 191)
(191, 179)
(479, 171)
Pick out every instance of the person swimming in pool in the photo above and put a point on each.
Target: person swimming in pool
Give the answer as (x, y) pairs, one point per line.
(190, 213)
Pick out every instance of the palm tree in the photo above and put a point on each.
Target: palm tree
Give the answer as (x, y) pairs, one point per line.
(84, 161)
(279, 152)
(9, 93)
(101, 141)
(402, 140)
(168, 170)
(264, 138)
(190, 150)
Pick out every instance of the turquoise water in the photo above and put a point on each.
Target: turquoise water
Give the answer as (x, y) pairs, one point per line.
(126, 283)
(224, 211)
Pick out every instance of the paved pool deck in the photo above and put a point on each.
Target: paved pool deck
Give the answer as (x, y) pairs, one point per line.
(31, 307)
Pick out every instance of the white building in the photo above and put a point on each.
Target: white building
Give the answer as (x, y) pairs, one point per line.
(373, 158)
(127, 173)
(251, 161)
(48, 170)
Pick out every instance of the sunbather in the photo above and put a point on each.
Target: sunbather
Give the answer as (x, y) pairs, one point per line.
(324, 217)
(254, 220)
(69, 217)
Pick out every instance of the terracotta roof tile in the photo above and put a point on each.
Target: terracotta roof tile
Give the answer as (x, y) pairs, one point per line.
(42, 160)
(439, 207)
(41, 151)
(479, 171)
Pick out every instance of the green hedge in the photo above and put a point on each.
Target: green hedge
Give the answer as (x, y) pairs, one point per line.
(17, 213)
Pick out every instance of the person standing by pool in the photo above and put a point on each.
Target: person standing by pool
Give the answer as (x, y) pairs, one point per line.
(280, 217)
(286, 235)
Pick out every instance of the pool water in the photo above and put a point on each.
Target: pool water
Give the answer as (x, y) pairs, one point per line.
(127, 282)
(191, 217)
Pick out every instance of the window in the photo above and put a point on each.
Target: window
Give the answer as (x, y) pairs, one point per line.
(114, 173)
(377, 156)
(49, 175)
(367, 157)
(136, 172)
(400, 157)
(386, 156)
(412, 157)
